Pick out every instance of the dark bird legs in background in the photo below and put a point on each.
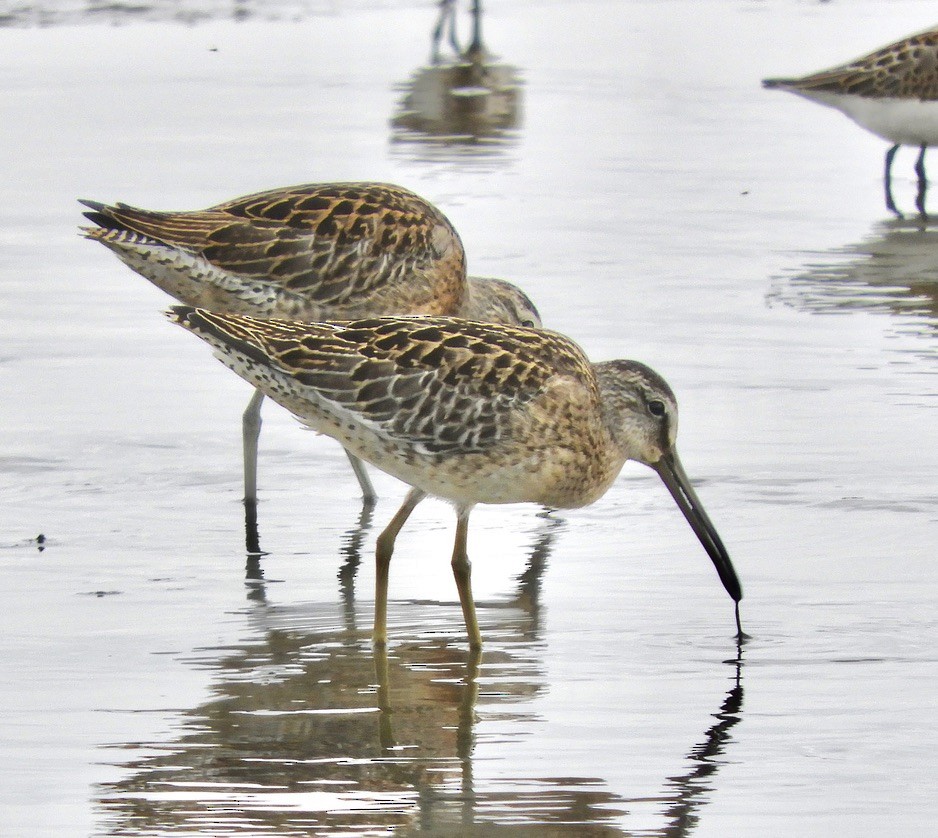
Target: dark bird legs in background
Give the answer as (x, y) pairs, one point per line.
(446, 22)
(447, 19)
(922, 184)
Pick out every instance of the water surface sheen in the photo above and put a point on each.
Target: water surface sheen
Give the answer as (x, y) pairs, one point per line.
(620, 161)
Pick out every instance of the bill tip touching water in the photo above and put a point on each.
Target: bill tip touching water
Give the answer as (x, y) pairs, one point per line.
(466, 411)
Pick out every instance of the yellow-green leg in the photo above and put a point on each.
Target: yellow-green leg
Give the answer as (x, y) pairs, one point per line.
(462, 571)
(383, 553)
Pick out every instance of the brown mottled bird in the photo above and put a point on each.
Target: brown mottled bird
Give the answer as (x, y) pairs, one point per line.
(322, 251)
(892, 92)
(469, 412)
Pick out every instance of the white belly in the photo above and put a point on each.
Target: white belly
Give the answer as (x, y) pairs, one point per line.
(903, 121)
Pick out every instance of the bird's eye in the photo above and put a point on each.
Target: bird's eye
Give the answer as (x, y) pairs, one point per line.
(656, 408)
(528, 324)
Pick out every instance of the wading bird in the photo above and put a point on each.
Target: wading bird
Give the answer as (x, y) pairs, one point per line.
(323, 251)
(468, 412)
(892, 92)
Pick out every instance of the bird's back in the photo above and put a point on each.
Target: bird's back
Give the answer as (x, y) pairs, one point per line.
(467, 411)
(906, 69)
(314, 252)
(892, 92)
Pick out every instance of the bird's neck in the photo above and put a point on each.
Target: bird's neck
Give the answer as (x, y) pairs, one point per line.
(616, 406)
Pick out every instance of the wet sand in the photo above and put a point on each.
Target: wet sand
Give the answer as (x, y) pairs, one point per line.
(656, 204)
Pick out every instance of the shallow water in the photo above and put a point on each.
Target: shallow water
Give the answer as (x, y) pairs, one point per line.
(657, 204)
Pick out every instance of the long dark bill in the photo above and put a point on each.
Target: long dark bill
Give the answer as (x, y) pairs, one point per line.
(671, 471)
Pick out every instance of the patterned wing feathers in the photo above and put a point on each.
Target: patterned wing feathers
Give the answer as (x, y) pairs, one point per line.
(907, 69)
(440, 385)
(335, 243)
(189, 230)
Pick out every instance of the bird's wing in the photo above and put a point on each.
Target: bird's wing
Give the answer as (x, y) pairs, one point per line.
(439, 385)
(907, 69)
(335, 243)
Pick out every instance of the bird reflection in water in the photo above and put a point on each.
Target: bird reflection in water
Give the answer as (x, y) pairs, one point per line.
(469, 104)
(893, 270)
(353, 546)
(528, 596)
(308, 728)
(253, 572)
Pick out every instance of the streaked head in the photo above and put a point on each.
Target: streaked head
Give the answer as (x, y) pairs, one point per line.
(497, 301)
(640, 409)
(641, 414)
